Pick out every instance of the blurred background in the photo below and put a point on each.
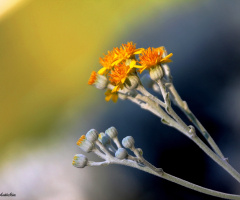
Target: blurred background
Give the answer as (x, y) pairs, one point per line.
(47, 52)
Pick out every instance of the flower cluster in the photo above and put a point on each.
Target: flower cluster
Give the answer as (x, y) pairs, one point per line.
(107, 147)
(120, 67)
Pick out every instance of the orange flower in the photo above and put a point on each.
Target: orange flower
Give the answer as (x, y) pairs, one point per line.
(118, 76)
(92, 78)
(152, 57)
(106, 62)
(126, 51)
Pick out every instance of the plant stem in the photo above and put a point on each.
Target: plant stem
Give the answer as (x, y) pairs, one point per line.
(174, 179)
(223, 163)
(169, 107)
(185, 109)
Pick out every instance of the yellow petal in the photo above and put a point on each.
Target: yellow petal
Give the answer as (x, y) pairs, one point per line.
(138, 66)
(123, 79)
(166, 59)
(132, 63)
(108, 92)
(102, 71)
(108, 97)
(141, 70)
(115, 89)
(138, 51)
(116, 62)
(114, 97)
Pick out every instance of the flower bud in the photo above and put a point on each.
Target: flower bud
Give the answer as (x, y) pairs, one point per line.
(121, 153)
(92, 135)
(79, 161)
(156, 73)
(128, 142)
(104, 139)
(98, 80)
(84, 144)
(111, 132)
(132, 82)
(140, 151)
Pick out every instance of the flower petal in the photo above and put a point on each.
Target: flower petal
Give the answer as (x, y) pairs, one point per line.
(138, 51)
(114, 97)
(142, 69)
(116, 62)
(102, 71)
(115, 89)
(108, 97)
(166, 59)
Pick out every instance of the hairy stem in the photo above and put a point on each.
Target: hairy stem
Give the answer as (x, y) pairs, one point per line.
(184, 107)
(176, 180)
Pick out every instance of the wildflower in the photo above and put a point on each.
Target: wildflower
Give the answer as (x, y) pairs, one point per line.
(152, 57)
(119, 75)
(125, 52)
(98, 80)
(79, 161)
(106, 63)
(84, 144)
(111, 95)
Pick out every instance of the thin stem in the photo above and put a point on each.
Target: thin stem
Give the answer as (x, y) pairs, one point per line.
(158, 111)
(169, 107)
(216, 158)
(185, 109)
(141, 89)
(176, 180)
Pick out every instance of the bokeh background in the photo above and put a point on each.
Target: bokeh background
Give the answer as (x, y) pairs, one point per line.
(47, 52)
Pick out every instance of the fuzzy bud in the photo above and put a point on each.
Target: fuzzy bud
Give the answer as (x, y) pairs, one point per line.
(111, 132)
(84, 144)
(79, 161)
(156, 73)
(128, 142)
(104, 139)
(98, 80)
(140, 151)
(132, 82)
(121, 153)
(92, 135)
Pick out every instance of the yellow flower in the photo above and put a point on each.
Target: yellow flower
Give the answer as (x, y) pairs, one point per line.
(109, 95)
(118, 76)
(125, 52)
(152, 57)
(106, 63)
